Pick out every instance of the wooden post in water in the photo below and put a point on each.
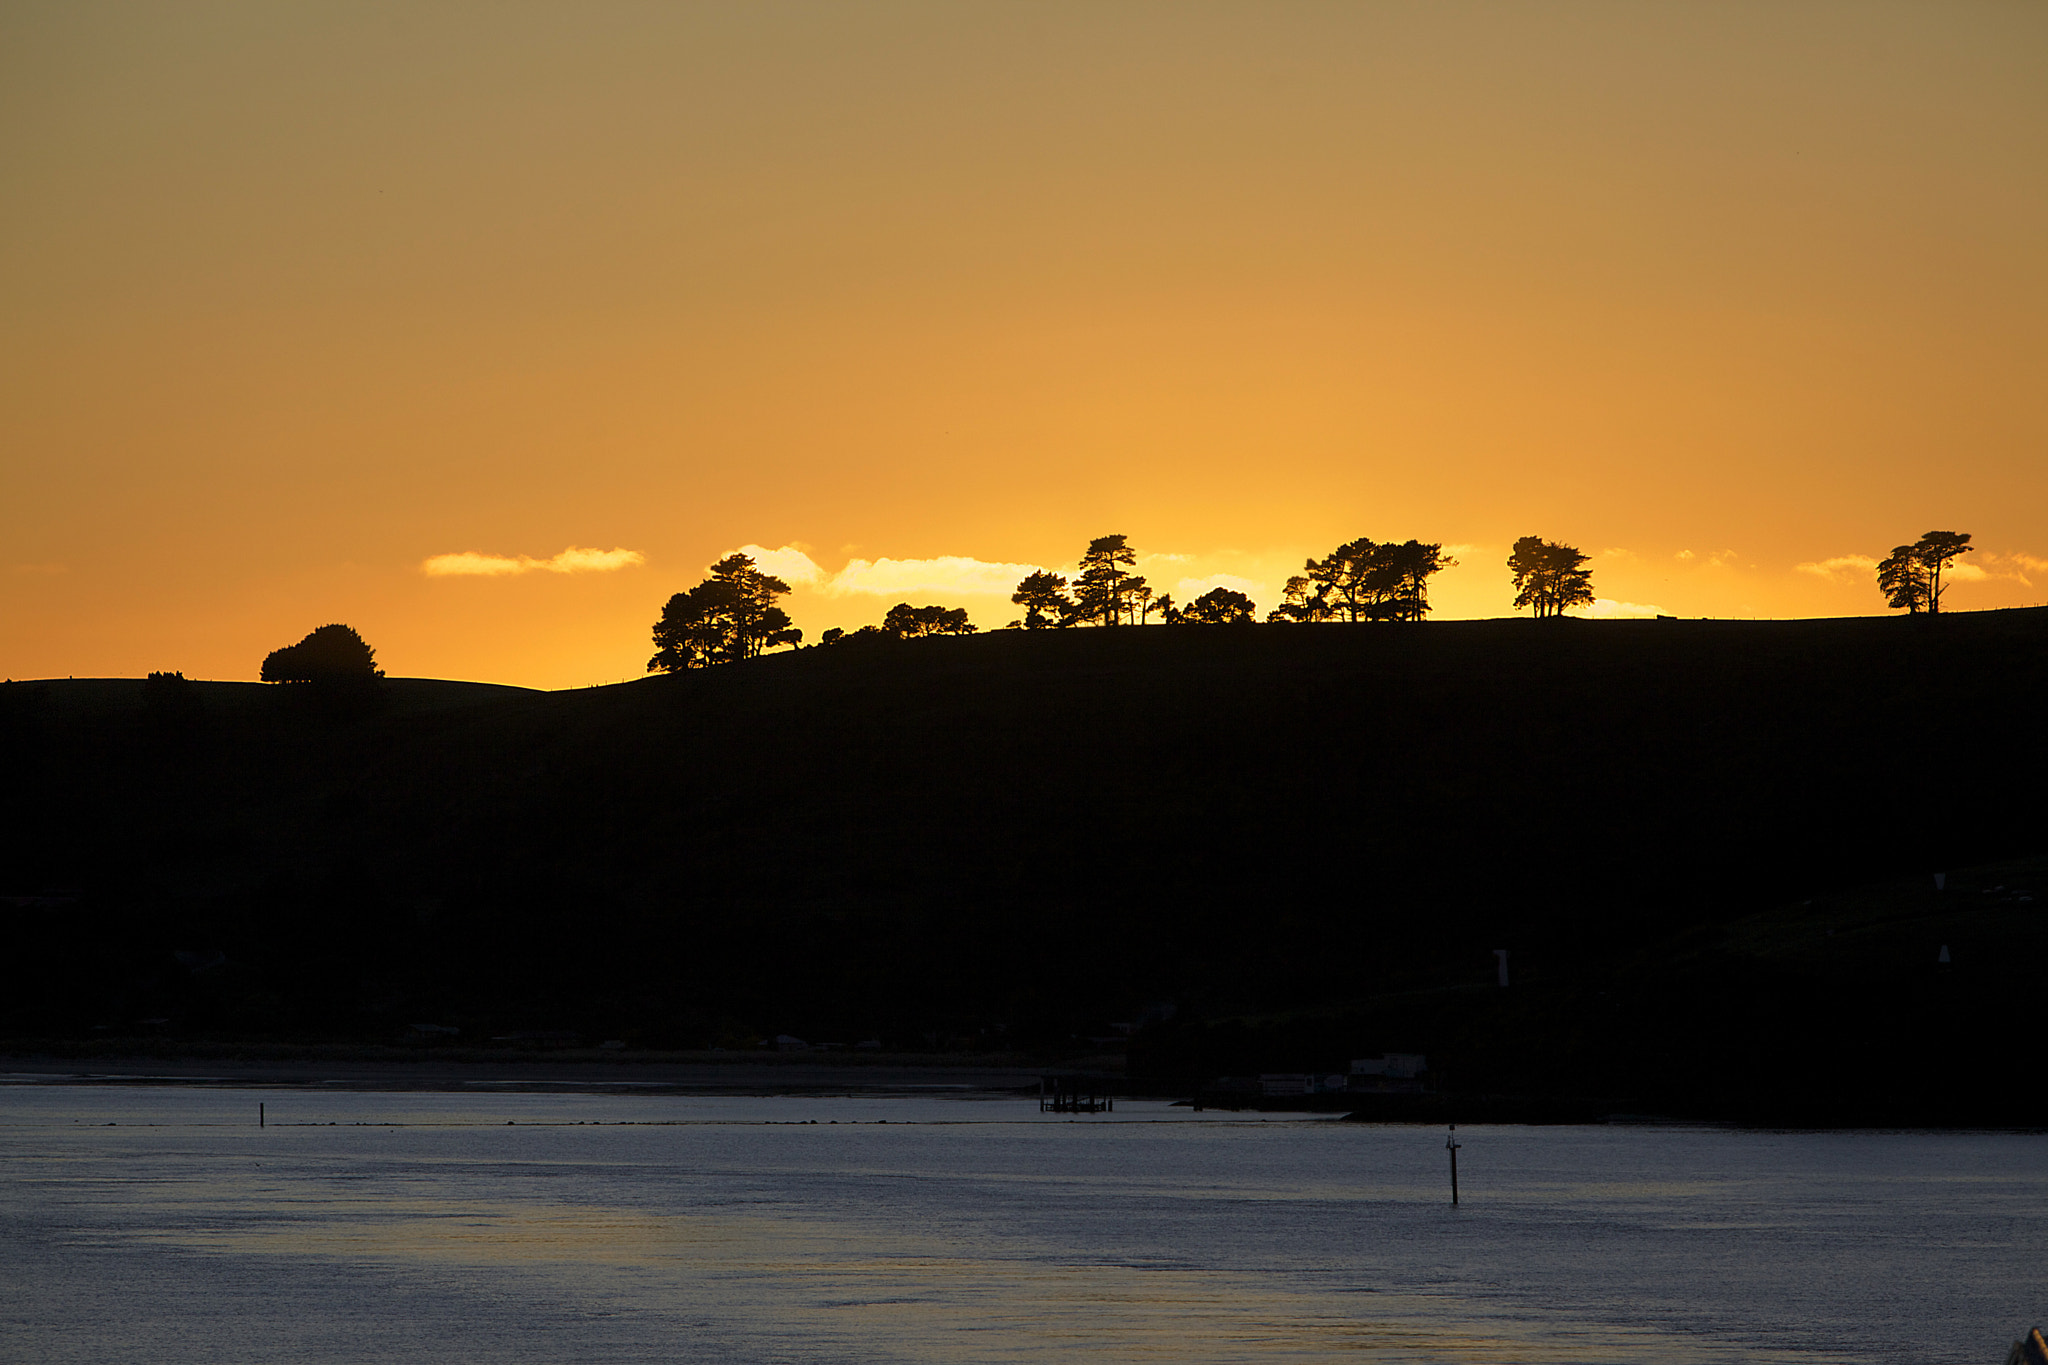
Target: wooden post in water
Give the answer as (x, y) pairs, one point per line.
(1451, 1143)
(259, 1115)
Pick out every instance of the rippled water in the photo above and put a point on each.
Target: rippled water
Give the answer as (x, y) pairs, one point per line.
(161, 1225)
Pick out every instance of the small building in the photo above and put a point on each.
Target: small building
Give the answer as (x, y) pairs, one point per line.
(1398, 1065)
(1395, 1072)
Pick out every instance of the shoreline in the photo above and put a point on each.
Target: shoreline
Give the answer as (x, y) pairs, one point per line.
(680, 1074)
(687, 1075)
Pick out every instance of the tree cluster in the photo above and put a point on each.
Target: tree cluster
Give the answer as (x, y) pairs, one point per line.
(331, 654)
(728, 617)
(1364, 581)
(1216, 607)
(905, 622)
(1550, 577)
(1104, 592)
(1360, 581)
(1910, 576)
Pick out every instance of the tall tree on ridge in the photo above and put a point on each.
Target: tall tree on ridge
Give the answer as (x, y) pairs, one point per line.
(728, 617)
(1910, 576)
(1103, 591)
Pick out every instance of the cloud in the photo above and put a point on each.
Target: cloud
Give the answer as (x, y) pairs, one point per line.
(1607, 609)
(2012, 567)
(1188, 589)
(947, 573)
(1840, 569)
(573, 560)
(471, 564)
(790, 563)
(893, 577)
(43, 570)
(1617, 553)
(1683, 554)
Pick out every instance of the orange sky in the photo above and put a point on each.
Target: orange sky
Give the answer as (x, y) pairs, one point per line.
(294, 299)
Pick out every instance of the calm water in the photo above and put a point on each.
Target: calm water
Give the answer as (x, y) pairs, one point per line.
(161, 1225)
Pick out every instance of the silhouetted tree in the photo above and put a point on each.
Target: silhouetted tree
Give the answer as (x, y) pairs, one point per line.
(1910, 576)
(1366, 580)
(1904, 580)
(1298, 605)
(1343, 579)
(1549, 577)
(1043, 595)
(1104, 593)
(1406, 570)
(1220, 607)
(1936, 549)
(330, 654)
(906, 622)
(728, 617)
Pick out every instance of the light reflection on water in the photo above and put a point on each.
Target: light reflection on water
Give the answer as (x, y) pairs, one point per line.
(426, 1227)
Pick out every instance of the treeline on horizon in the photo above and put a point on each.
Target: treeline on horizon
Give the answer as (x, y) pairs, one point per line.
(733, 615)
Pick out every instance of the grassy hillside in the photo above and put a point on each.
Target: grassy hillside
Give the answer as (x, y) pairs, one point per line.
(1020, 838)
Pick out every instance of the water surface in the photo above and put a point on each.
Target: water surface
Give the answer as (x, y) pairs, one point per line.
(161, 1224)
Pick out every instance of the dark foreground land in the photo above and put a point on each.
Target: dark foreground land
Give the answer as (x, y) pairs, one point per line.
(1708, 847)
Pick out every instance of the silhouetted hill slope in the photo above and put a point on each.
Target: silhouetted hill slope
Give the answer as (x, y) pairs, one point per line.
(112, 699)
(1023, 831)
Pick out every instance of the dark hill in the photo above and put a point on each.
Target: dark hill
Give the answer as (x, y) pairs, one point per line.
(1020, 835)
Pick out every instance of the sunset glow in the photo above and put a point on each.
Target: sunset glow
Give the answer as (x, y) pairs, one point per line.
(484, 329)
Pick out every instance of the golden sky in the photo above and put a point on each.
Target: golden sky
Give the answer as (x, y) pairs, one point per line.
(297, 300)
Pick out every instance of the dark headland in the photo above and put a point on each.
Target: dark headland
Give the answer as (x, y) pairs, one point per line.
(1708, 848)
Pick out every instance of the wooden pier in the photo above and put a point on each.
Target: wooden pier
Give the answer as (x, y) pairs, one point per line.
(1075, 1095)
